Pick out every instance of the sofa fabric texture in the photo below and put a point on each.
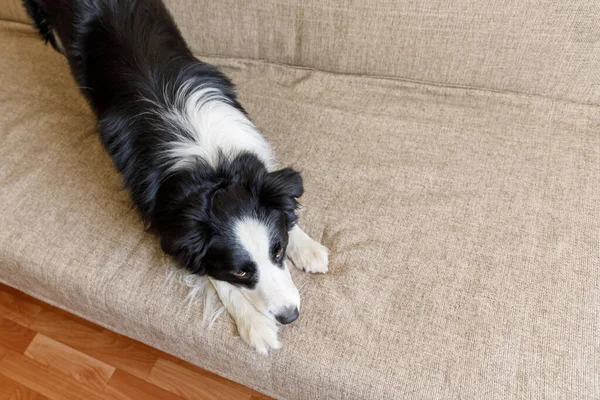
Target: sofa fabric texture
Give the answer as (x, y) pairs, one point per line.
(549, 47)
(461, 212)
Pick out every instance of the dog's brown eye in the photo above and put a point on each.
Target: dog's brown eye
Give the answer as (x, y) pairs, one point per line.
(279, 254)
(240, 274)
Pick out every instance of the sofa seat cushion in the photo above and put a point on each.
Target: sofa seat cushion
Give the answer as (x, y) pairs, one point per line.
(463, 229)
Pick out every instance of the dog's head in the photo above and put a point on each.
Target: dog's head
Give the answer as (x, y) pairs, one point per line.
(232, 224)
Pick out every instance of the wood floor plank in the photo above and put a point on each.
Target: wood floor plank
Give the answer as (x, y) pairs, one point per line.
(103, 345)
(219, 379)
(17, 309)
(13, 291)
(14, 336)
(11, 390)
(3, 351)
(156, 352)
(191, 385)
(45, 306)
(66, 360)
(42, 380)
(17, 293)
(123, 386)
(74, 358)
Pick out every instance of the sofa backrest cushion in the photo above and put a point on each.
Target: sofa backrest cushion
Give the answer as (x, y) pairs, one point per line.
(548, 47)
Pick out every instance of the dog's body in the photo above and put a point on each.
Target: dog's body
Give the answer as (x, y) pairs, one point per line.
(198, 170)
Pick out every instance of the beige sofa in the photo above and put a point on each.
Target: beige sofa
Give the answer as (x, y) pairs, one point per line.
(451, 158)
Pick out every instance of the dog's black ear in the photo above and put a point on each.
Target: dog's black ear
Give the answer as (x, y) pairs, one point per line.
(281, 189)
(181, 219)
(187, 240)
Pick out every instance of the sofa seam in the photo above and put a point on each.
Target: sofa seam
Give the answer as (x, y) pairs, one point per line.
(406, 80)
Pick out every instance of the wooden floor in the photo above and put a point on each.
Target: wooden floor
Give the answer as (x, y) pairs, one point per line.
(46, 353)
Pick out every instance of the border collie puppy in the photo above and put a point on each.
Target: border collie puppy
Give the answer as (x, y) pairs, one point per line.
(200, 173)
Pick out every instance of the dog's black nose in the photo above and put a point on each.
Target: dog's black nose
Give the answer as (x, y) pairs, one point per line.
(288, 316)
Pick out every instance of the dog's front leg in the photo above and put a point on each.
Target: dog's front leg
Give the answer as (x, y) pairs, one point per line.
(256, 329)
(307, 254)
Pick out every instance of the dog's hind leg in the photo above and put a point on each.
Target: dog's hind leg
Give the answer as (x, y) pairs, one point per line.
(307, 254)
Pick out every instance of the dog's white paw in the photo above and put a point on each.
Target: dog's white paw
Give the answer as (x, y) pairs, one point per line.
(310, 256)
(259, 331)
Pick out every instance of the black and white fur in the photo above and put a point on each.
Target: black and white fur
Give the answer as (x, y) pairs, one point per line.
(200, 173)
